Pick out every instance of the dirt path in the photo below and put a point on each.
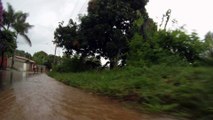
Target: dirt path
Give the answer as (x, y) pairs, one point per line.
(39, 97)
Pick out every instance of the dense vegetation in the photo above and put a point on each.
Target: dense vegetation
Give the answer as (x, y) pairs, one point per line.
(157, 69)
(104, 32)
(23, 54)
(42, 58)
(183, 91)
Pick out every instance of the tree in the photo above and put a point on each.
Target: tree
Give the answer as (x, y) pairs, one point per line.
(188, 47)
(7, 43)
(16, 22)
(7, 38)
(208, 54)
(105, 31)
(52, 61)
(143, 46)
(23, 54)
(67, 37)
(110, 24)
(40, 57)
(209, 39)
(169, 47)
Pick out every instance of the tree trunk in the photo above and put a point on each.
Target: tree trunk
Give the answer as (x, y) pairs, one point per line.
(113, 63)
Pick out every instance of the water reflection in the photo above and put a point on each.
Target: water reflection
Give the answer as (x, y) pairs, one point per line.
(11, 109)
(8, 78)
(11, 77)
(24, 75)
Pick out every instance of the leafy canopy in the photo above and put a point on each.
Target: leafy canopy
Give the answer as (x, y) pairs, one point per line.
(16, 22)
(40, 57)
(105, 31)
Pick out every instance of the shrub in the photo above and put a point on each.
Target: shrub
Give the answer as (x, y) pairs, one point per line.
(77, 64)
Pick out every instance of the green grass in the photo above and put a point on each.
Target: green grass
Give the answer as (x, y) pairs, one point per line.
(185, 91)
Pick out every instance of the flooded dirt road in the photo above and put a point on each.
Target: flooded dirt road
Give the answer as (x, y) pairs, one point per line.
(39, 97)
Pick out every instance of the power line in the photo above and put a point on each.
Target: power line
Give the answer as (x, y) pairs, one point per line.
(74, 8)
(83, 6)
(81, 9)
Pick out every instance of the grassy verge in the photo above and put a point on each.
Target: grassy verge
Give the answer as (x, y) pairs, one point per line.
(185, 91)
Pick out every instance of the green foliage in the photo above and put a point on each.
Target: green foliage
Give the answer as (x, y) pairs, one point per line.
(207, 56)
(16, 22)
(7, 44)
(52, 61)
(169, 47)
(23, 54)
(105, 31)
(177, 42)
(185, 91)
(77, 64)
(40, 57)
(209, 39)
(69, 65)
(110, 24)
(7, 41)
(67, 38)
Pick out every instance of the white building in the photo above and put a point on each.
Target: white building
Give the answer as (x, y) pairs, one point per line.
(21, 63)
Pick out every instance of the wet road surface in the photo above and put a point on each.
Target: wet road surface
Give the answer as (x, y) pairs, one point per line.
(38, 97)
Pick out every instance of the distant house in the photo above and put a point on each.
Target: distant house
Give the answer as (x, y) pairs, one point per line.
(21, 63)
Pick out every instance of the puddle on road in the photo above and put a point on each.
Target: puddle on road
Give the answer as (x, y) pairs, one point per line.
(7, 78)
(39, 97)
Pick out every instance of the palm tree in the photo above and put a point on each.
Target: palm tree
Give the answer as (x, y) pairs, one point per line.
(21, 27)
(16, 21)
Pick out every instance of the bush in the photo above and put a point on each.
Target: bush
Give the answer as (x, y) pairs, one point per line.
(77, 64)
(166, 47)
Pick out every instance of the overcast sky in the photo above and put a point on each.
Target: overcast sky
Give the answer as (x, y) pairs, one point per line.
(45, 14)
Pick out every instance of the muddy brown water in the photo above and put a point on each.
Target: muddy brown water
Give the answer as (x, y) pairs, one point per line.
(26, 96)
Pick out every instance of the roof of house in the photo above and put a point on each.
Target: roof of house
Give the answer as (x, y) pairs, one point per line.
(23, 59)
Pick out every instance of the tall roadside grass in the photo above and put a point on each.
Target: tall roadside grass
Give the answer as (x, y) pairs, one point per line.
(185, 91)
